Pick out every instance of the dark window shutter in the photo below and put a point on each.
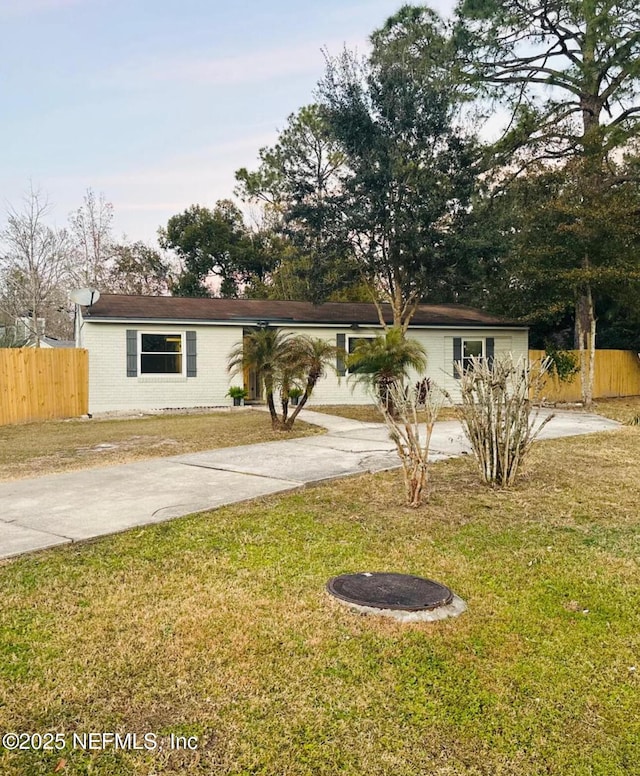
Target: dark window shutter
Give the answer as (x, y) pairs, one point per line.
(191, 354)
(489, 349)
(457, 356)
(341, 344)
(132, 353)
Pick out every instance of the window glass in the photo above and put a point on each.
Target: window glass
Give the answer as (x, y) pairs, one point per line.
(353, 343)
(161, 354)
(471, 349)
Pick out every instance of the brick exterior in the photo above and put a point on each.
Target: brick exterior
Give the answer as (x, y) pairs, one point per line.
(110, 389)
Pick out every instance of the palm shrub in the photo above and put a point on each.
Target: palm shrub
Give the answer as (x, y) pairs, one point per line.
(265, 351)
(283, 361)
(383, 363)
(496, 413)
(311, 357)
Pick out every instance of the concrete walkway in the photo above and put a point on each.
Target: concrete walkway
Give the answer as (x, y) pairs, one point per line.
(62, 508)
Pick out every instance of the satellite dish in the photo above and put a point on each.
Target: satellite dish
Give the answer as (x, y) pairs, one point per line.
(85, 296)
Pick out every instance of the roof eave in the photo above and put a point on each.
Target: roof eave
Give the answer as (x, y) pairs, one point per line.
(317, 324)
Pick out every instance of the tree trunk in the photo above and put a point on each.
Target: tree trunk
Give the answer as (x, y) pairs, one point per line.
(591, 105)
(35, 331)
(312, 379)
(585, 335)
(275, 420)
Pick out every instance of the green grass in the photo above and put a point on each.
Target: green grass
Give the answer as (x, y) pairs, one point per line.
(218, 625)
(32, 449)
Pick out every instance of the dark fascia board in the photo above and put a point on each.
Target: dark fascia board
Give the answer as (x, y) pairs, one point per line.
(252, 322)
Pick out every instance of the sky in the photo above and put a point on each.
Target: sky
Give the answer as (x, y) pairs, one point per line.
(156, 103)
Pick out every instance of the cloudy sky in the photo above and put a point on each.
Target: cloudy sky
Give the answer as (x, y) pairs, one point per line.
(156, 103)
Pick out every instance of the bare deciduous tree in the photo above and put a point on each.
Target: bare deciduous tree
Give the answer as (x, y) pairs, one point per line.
(34, 269)
(90, 228)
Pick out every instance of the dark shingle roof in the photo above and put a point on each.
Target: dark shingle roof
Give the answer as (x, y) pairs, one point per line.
(172, 308)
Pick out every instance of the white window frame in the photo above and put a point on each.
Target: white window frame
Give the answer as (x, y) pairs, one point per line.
(464, 340)
(350, 352)
(183, 353)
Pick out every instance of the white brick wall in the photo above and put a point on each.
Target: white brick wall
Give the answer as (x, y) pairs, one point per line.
(438, 344)
(111, 389)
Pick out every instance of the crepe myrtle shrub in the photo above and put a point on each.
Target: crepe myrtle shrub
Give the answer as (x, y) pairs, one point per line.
(409, 414)
(496, 413)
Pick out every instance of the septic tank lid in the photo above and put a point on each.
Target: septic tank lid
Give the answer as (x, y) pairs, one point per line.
(382, 590)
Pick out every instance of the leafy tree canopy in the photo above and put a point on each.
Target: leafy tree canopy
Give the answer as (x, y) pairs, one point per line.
(305, 164)
(217, 250)
(570, 73)
(138, 269)
(411, 168)
(297, 182)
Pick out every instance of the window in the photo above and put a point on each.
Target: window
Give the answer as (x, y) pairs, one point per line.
(466, 349)
(471, 349)
(161, 354)
(353, 344)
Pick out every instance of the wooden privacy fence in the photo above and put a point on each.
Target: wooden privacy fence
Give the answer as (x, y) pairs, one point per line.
(617, 373)
(43, 383)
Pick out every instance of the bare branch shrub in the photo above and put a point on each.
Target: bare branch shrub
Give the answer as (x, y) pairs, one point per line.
(496, 413)
(409, 417)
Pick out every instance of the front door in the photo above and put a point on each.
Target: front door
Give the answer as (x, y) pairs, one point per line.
(253, 385)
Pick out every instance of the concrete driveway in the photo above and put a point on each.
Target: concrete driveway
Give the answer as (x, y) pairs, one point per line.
(63, 508)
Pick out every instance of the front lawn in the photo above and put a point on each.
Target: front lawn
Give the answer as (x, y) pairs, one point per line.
(369, 413)
(218, 626)
(32, 449)
(623, 410)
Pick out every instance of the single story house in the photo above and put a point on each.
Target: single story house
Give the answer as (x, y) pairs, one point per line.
(157, 352)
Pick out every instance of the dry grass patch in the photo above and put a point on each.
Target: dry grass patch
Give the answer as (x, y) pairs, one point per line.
(34, 449)
(369, 413)
(217, 625)
(624, 409)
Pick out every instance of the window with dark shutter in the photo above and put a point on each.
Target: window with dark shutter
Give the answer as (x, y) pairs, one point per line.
(191, 354)
(161, 354)
(341, 343)
(472, 349)
(465, 350)
(457, 357)
(132, 353)
(489, 349)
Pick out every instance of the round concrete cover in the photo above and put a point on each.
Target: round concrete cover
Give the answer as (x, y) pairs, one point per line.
(390, 591)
